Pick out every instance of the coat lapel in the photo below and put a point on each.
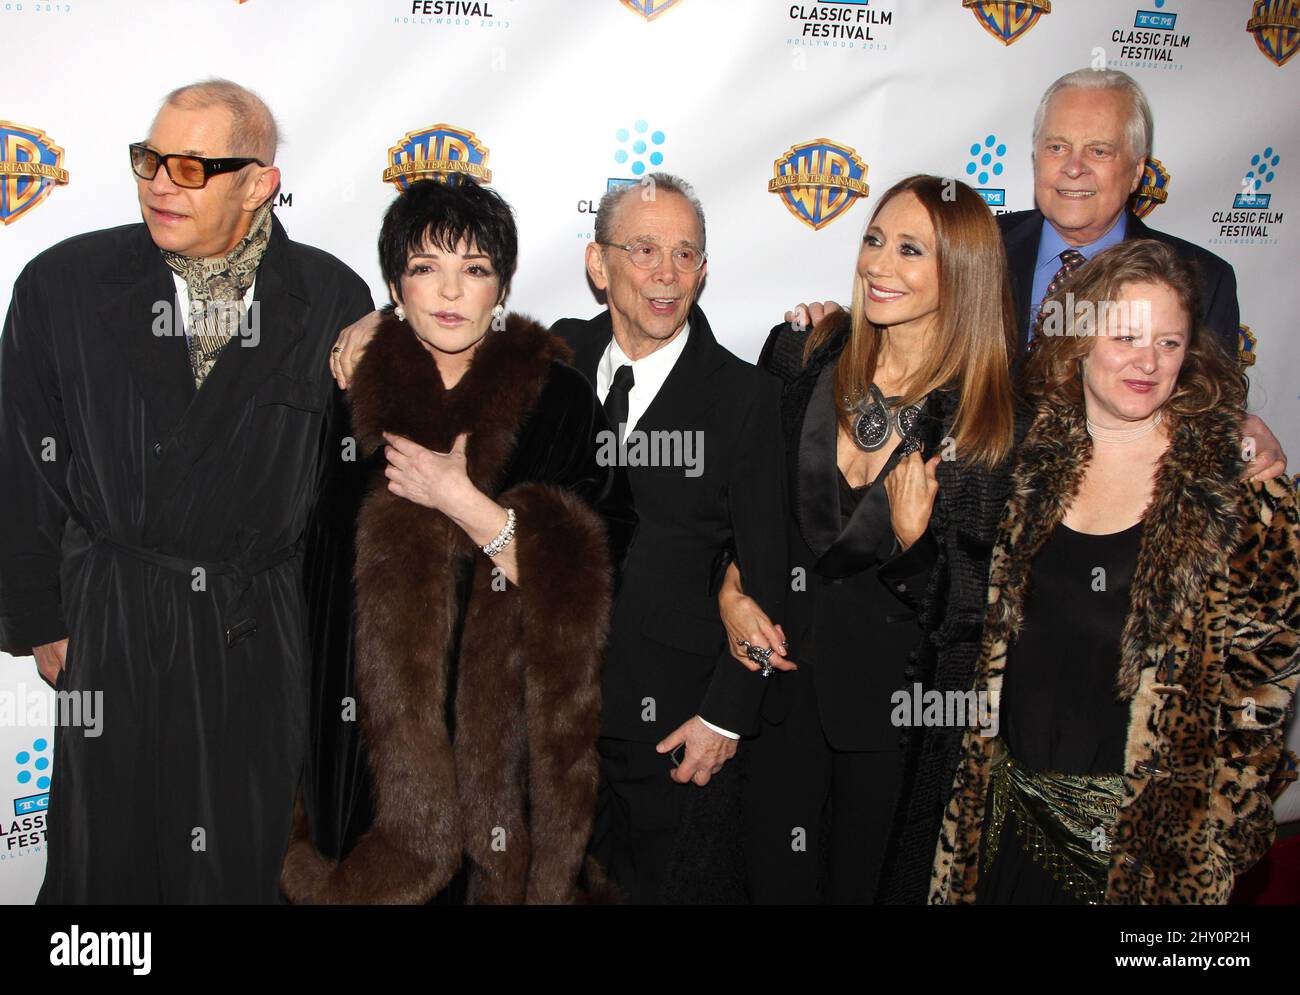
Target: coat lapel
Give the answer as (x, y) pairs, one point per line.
(815, 473)
(134, 285)
(282, 305)
(591, 339)
(1135, 228)
(192, 419)
(684, 393)
(1022, 252)
(1190, 527)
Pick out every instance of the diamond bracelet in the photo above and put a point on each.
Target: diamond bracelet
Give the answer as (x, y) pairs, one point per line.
(503, 537)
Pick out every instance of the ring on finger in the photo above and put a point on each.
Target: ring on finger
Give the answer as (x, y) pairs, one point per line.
(761, 655)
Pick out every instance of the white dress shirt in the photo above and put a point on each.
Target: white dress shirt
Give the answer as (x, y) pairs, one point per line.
(648, 375)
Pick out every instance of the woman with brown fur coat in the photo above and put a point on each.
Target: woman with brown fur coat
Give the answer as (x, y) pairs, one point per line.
(483, 581)
(1142, 708)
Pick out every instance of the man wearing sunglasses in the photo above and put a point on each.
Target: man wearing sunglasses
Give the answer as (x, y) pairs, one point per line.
(163, 406)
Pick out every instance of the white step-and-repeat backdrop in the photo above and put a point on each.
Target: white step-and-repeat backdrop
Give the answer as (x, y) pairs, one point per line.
(557, 99)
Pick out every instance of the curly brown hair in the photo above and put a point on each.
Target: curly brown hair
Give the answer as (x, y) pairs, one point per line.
(1209, 379)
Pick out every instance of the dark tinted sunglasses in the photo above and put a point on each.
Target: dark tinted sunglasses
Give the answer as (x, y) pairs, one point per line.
(190, 171)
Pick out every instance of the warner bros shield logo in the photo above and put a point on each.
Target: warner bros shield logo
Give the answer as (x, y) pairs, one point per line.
(819, 180)
(1153, 189)
(438, 152)
(31, 165)
(1008, 20)
(1276, 27)
(650, 9)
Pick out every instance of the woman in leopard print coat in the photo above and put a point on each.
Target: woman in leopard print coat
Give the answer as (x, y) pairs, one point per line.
(1208, 660)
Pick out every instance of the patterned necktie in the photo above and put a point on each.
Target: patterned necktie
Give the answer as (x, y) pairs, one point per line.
(616, 400)
(1071, 260)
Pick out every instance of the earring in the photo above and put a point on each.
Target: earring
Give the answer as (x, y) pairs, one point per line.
(400, 312)
(498, 311)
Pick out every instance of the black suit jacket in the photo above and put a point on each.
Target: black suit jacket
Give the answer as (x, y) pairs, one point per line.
(1021, 231)
(667, 642)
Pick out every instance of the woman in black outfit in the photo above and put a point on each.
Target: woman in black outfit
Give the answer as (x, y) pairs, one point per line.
(898, 419)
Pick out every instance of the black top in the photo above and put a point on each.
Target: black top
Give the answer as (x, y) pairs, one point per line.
(850, 497)
(1059, 709)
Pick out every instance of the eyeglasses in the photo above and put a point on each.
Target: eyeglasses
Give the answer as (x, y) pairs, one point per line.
(192, 171)
(648, 255)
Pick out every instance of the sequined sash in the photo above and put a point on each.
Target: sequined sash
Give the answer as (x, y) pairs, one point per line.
(1064, 822)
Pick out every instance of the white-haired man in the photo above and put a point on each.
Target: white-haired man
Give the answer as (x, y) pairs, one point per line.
(1092, 137)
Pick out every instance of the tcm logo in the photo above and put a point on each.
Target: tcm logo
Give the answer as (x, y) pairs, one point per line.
(1276, 27)
(1153, 189)
(1252, 184)
(1008, 20)
(31, 165)
(33, 772)
(819, 181)
(437, 152)
(650, 9)
(1155, 20)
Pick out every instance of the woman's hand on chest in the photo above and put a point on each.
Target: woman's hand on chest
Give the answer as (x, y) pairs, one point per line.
(432, 479)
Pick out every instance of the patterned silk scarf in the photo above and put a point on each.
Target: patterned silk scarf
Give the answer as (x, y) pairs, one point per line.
(216, 286)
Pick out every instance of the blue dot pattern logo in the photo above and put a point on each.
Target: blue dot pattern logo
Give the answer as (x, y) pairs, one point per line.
(1263, 168)
(640, 147)
(985, 167)
(986, 159)
(33, 764)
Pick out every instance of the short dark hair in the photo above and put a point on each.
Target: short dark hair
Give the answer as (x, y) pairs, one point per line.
(431, 212)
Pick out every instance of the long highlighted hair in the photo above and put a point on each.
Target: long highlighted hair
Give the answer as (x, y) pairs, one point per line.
(974, 331)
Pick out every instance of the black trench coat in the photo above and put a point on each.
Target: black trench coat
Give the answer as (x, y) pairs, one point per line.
(163, 540)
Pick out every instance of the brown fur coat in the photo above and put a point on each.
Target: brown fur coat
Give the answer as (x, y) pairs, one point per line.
(514, 795)
(1209, 662)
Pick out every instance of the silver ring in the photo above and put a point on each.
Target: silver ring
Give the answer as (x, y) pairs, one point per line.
(761, 655)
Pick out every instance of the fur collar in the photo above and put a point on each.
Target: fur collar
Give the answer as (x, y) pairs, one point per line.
(479, 710)
(397, 388)
(1189, 528)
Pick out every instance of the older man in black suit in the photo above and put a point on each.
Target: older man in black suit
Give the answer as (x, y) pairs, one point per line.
(675, 700)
